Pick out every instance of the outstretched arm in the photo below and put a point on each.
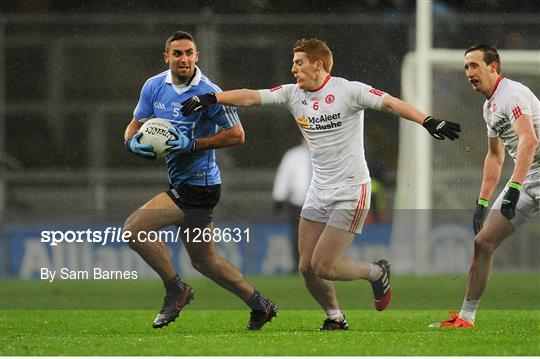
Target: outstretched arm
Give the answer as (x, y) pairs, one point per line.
(242, 97)
(403, 109)
(437, 128)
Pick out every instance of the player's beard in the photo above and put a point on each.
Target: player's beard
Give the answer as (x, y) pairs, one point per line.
(183, 76)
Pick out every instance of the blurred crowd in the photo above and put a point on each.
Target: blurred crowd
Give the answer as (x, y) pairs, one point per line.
(369, 51)
(268, 6)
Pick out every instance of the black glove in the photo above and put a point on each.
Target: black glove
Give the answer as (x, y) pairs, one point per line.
(441, 129)
(510, 200)
(198, 103)
(479, 214)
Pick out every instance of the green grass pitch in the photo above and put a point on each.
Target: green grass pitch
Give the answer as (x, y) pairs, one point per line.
(114, 318)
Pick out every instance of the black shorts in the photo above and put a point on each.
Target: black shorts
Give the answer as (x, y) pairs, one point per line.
(197, 203)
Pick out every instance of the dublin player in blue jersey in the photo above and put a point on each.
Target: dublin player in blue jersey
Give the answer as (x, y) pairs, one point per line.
(194, 181)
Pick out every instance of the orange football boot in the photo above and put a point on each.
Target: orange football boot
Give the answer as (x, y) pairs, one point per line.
(454, 322)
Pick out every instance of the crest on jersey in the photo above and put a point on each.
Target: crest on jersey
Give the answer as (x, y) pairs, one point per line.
(329, 99)
(303, 122)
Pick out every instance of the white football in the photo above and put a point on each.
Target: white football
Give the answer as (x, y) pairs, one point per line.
(156, 133)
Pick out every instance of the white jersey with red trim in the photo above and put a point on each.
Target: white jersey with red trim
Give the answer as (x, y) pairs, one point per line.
(509, 100)
(331, 118)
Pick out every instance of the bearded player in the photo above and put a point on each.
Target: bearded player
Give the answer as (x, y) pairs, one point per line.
(194, 181)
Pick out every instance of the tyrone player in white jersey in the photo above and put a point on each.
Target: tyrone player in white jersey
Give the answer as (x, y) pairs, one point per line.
(330, 113)
(512, 115)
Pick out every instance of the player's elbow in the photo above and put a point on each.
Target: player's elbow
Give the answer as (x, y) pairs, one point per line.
(534, 145)
(391, 104)
(249, 98)
(532, 142)
(236, 135)
(528, 144)
(240, 136)
(495, 158)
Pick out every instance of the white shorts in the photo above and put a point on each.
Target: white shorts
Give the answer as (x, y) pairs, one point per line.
(528, 204)
(345, 207)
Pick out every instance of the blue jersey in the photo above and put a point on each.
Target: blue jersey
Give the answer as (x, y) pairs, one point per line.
(161, 98)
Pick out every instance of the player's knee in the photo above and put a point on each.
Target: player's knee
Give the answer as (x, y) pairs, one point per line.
(323, 269)
(135, 238)
(130, 234)
(304, 267)
(482, 244)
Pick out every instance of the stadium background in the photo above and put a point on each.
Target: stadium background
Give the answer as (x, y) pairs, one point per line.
(70, 77)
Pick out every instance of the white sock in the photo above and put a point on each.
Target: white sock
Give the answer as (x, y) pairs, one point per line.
(335, 314)
(375, 272)
(468, 310)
